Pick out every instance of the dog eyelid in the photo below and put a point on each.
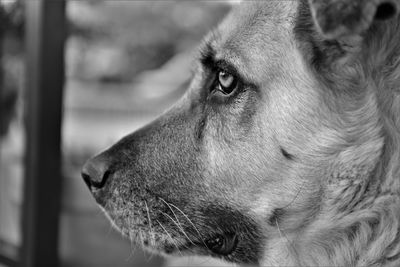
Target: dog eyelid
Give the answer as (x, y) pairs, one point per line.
(223, 65)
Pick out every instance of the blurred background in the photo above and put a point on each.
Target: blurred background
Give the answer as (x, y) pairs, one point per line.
(123, 63)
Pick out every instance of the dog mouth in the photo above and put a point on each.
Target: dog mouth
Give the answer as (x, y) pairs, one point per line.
(167, 233)
(219, 244)
(165, 240)
(162, 226)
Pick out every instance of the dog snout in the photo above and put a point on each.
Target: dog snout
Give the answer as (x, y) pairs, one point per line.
(96, 172)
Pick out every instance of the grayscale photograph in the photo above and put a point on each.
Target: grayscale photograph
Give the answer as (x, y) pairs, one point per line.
(163, 133)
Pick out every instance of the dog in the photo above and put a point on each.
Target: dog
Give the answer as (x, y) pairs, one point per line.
(285, 149)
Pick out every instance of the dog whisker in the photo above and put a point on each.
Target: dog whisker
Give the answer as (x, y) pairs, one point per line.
(190, 221)
(132, 246)
(169, 206)
(177, 222)
(152, 239)
(168, 234)
(283, 235)
(146, 254)
(295, 197)
(205, 262)
(179, 227)
(151, 257)
(140, 237)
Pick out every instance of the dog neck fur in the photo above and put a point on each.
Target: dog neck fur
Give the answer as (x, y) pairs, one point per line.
(359, 221)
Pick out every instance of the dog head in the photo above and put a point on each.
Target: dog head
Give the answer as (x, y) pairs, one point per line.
(273, 143)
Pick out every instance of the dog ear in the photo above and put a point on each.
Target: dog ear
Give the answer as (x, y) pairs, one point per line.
(335, 33)
(336, 19)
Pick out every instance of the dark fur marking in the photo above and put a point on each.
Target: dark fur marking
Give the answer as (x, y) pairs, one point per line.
(207, 54)
(200, 128)
(286, 154)
(385, 11)
(276, 217)
(225, 220)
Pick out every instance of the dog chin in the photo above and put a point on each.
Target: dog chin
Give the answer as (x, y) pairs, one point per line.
(163, 248)
(168, 250)
(147, 241)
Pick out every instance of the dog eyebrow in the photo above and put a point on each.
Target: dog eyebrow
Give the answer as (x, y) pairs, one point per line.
(207, 55)
(208, 58)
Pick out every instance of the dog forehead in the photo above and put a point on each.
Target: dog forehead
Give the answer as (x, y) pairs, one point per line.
(256, 35)
(257, 18)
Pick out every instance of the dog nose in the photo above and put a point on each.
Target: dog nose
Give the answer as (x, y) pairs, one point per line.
(96, 172)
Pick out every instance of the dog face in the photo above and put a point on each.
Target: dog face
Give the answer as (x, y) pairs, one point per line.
(275, 120)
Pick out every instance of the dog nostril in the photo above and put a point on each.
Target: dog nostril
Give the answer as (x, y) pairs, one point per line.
(96, 172)
(87, 180)
(103, 181)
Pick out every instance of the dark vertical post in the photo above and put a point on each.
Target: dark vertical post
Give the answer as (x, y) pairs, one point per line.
(2, 22)
(45, 36)
(4, 259)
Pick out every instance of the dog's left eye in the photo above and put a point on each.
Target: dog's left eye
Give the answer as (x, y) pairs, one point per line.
(227, 82)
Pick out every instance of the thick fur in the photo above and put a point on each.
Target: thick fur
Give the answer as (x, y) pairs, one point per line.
(301, 165)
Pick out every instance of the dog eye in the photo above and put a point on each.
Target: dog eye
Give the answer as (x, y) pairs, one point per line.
(227, 82)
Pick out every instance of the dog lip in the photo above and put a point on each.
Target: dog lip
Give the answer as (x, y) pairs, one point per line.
(98, 195)
(170, 248)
